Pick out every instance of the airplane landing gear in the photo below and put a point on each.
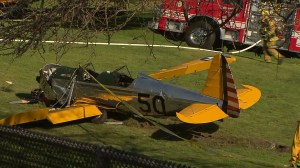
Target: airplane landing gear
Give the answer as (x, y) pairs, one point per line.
(101, 118)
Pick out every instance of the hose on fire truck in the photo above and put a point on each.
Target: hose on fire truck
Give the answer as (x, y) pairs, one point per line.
(245, 49)
(145, 45)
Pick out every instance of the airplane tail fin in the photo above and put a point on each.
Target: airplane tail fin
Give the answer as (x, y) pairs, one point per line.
(220, 84)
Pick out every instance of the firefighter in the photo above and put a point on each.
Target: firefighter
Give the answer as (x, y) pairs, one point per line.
(270, 37)
(295, 162)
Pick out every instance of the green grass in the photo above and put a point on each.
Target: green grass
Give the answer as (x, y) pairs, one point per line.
(242, 142)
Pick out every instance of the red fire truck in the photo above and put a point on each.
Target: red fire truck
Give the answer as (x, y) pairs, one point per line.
(203, 23)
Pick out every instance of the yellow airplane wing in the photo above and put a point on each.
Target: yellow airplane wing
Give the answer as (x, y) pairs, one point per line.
(201, 113)
(25, 117)
(188, 68)
(73, 113)
(248, 96)
(54, 116)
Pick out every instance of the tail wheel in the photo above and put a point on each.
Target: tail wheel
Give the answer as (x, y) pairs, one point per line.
(200, 34)
(101, 118)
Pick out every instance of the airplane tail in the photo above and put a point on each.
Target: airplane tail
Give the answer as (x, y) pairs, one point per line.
(220, 84)
(230, 97)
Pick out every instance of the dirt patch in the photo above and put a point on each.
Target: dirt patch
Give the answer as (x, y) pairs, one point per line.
(225, 141)
(207, 133)
(140, 123)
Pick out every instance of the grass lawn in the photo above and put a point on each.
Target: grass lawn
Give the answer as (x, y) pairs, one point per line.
(249, 141)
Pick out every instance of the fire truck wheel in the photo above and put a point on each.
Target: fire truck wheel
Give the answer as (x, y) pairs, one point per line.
(101, 118)
(200, 34)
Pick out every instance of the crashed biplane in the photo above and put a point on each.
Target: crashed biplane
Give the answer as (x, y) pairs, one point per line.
(78, 94)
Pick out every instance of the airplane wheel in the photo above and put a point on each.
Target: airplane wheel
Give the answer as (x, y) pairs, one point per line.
(101, 118)
(200, 34)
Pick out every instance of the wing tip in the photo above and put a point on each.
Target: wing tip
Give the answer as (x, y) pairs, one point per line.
(207, 114)
(253, 96)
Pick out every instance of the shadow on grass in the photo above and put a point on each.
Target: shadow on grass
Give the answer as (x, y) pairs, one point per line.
(23, 95)
(123, 20)
(137, 22)
(186, 131)
(6, 89)
(45, 124)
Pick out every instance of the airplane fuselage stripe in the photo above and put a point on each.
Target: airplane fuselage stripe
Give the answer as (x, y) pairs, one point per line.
(231, 89)
(230, 85)
(231, 103)
(230, 80)
(233, 99)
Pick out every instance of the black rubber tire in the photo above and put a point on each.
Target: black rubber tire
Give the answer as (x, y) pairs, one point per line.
(101, 118)
(200, 34)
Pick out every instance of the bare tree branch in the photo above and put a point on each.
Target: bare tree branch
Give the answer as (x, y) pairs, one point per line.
(30, 23)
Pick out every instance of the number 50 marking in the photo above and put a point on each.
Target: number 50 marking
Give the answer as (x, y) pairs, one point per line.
(143, 99)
